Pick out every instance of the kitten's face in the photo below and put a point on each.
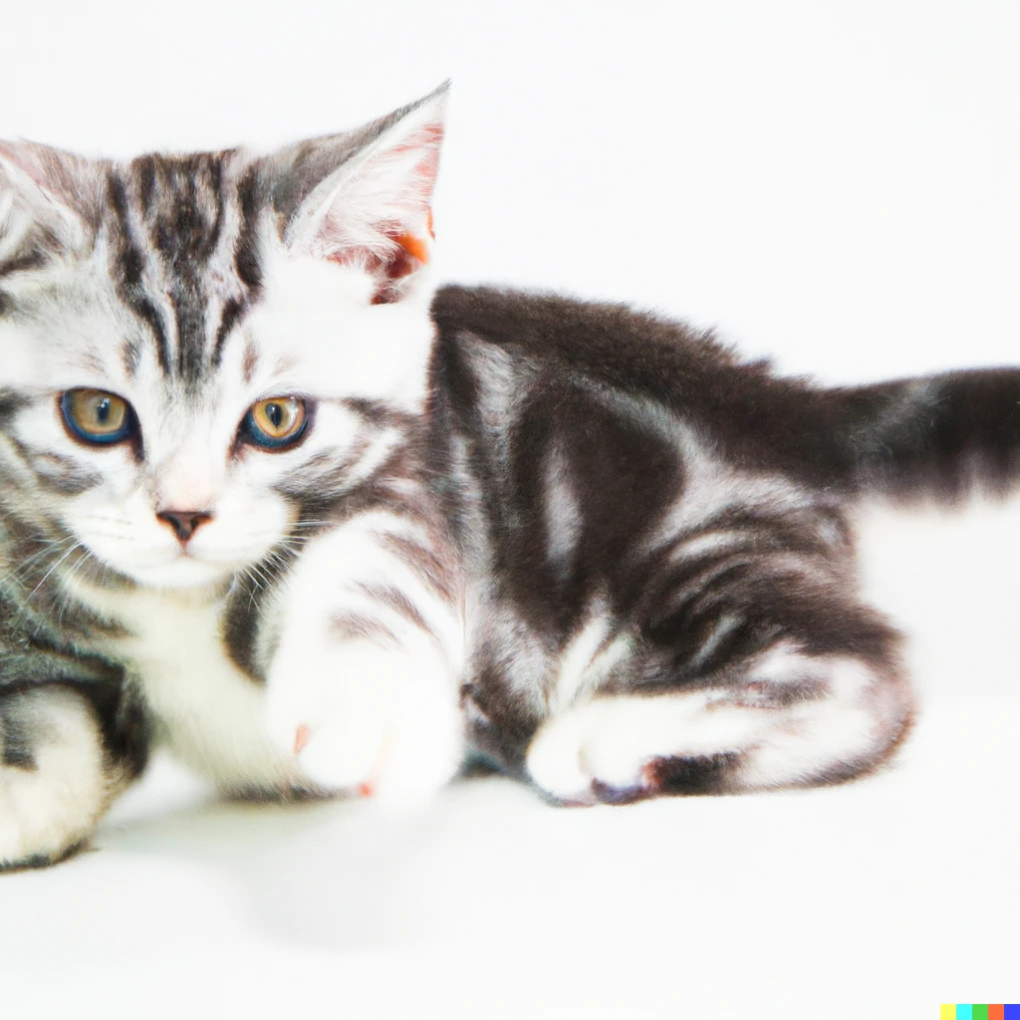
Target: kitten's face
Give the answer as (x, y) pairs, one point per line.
(188, 345)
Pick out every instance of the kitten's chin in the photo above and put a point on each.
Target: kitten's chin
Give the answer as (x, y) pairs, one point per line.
(184, 573)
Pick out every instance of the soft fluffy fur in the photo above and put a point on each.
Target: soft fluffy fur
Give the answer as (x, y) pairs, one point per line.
(662, 591)
(588, 545)
(193, 286)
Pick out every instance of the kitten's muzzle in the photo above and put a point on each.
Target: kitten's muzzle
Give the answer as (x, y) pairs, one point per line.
(184, 522)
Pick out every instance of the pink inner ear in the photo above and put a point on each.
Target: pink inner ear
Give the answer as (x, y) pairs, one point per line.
(408, 255)
(427, 140)
(402, 235)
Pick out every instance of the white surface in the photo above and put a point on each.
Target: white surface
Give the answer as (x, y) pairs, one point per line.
(835, 184)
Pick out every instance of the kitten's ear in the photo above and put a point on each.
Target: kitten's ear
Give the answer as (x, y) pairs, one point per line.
(50, 202)
(364, 198)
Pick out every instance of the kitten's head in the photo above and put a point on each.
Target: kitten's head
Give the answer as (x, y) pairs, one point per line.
(190, 345)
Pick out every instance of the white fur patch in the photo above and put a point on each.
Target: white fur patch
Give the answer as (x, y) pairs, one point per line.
(355, 712)
(576, 658)
(563, 517)
(319, 333)
(210, 713)
(48, 809)
(588, 658)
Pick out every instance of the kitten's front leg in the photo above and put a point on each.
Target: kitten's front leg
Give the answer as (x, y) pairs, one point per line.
(363, 686)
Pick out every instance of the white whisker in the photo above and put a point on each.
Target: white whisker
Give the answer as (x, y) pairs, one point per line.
(77, 545)
(23, 567)
(75, 568)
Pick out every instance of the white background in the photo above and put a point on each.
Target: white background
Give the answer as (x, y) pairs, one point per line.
(834, 184)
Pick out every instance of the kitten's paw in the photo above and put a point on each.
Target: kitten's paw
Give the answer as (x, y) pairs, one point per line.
(55, 782)
(367, 721)
(796, 719)
(620, 749)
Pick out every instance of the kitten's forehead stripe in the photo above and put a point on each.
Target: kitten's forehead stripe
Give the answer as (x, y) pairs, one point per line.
(189, 310)
(182, 208)
(180, 270)
(232, 312)
(129, 269)
(248, 269)
(251, 201)
(182, 201)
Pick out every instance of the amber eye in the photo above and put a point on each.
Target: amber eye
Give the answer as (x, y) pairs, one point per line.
(97, 417)
(276, 421)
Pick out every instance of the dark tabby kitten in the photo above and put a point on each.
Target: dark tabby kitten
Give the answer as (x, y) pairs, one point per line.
(257, 506)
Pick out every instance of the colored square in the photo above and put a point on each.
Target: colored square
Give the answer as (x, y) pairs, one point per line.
(995, 1012)
(947, 1011)
(1011, 1011)
(979, 1011)
(963, 1011)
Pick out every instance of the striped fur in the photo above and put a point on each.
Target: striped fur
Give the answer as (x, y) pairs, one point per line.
(590, 546)
(192, 287)
(662, 594)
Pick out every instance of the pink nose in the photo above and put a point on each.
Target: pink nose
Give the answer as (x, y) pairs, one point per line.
(184, 522)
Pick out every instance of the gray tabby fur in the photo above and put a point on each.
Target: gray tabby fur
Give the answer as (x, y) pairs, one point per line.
(588, 545)
(192, 286)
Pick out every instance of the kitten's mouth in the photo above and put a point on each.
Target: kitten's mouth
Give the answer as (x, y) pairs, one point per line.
(184, 570)
(183, 565)
(188, 570)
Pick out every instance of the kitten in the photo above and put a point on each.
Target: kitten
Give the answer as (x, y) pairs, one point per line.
(217, 531)
(256, 506)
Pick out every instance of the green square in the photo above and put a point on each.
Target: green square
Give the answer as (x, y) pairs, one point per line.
(979, 1012)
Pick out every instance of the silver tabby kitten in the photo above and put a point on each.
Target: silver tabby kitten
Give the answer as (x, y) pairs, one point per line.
(213, 527)
(256, 505)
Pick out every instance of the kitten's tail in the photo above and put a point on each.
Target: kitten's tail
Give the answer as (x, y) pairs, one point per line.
(943, 437)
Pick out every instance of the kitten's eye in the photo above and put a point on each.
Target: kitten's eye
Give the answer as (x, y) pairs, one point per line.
(276, 421)
(96, 417)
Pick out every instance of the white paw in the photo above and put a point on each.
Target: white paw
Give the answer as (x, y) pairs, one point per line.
(795, 719)
(366, 720)
(606, 746)
(53, 803)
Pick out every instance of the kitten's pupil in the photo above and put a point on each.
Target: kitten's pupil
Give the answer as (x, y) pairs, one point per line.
(276, 420)
(103, 411)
